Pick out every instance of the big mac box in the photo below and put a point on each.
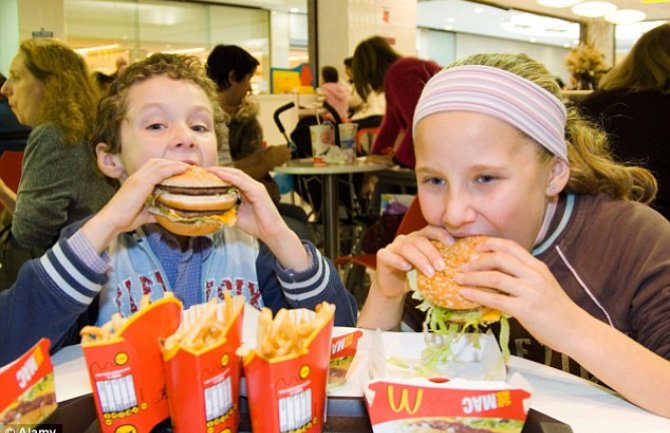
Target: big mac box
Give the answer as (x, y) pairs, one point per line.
(287, 372)
(27, 391)
(125, 366)
(202, 369)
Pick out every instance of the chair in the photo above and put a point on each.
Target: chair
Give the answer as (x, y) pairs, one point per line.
(358, 264)
(10, 168)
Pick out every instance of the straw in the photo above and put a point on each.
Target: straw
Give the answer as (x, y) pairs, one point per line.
(316, 112)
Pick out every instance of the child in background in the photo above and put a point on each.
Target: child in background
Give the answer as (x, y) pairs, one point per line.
(335, 92)
(161, 115)
(575, 255)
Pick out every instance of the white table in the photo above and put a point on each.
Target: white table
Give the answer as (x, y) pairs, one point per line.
(586, 407)
(330, 200)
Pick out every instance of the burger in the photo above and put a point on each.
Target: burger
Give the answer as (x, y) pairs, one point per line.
(33, 406)
(194, 203)
(447, 312)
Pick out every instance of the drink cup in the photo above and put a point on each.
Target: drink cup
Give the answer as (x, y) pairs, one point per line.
(348, 140)
(322, 137)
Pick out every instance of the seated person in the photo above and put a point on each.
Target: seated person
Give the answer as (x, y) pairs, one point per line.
(336, 93)
(102, 265)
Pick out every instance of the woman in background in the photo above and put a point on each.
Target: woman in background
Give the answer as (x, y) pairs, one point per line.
(49, 90)
(632, 104)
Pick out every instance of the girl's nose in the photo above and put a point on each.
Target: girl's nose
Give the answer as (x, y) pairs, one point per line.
(458, 211)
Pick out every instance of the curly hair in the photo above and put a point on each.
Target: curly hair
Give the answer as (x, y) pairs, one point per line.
(646, 67)
(69, 96)
(113, 107)
(592, 168)
(372, 58)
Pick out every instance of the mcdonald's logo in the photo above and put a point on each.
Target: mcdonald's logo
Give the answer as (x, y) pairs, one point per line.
(404, 400)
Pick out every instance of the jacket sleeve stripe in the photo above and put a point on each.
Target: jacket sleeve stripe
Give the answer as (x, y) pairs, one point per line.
(76, 289)
(314, 279)
(298, 297)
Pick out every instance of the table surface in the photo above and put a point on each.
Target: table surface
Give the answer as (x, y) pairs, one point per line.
(584, 406)
(306, 166)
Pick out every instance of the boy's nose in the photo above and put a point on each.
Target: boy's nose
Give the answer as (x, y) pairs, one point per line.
(184, 137)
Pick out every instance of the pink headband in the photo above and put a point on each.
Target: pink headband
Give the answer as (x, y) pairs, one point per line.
(498, 93)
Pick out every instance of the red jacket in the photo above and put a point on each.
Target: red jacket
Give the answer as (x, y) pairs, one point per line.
(403, 84)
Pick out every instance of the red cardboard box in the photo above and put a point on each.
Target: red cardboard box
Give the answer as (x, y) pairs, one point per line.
(27, 391)
(126, 371)
(423, 406)
(288, 393)
(204, 385)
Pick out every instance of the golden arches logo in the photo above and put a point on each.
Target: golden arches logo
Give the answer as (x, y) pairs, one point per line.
(404, 400)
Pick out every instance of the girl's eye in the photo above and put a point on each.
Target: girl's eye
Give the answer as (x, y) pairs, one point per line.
(200, 128)
(434, 181)
(156, 126)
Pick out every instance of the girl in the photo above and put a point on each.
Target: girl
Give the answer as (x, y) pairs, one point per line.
(574, 254)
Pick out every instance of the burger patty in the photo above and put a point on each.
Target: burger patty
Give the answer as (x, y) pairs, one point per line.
(195, 214)
(26, 406)
(194, 191)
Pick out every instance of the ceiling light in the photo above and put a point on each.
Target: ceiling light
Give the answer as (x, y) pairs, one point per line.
(451, 20)
(593, 9)
(625, 16)
(479, 10)
(558, 3)
(84, 51)
(294, 10)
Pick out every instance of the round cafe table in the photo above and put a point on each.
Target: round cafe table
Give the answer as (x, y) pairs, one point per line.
(330, 201)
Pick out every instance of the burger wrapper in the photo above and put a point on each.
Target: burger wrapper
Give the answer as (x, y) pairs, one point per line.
(28, 394)
(204, 386)
(126, 372)
(342, 353)
(412, 404)
(289, 393)
(470, 390)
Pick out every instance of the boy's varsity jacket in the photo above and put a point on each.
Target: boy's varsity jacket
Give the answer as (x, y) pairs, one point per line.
(57, 294)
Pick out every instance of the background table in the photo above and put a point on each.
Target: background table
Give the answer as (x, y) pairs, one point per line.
(330, 200)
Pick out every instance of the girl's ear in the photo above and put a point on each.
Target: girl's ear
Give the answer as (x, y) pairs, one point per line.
(109, 163)
(558, 178)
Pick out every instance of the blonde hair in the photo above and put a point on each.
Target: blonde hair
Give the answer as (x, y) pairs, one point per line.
(592, 169)
(69, 96)
(646, 67)
(113, 107)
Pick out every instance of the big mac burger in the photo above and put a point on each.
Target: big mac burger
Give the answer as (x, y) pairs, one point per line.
(32, 407)
(194, 203)
(447, 312)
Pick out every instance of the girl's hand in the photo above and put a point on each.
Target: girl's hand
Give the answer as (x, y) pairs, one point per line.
(406, 252)
(126, 210)
(257, 214)
(527, 290)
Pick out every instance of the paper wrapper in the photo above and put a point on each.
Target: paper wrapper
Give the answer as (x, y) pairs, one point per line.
(399, 355)
(422, 405)
(126, 372)
(204, 386)
(342, 353)
(289, 393)
(28, 394)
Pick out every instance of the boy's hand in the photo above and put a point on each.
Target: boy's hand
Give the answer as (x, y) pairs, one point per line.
(259, 217)
(126, 210)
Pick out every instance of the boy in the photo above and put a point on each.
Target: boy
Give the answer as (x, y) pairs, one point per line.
(160, 116)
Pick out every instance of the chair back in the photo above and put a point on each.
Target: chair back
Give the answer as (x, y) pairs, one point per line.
(413, 219)
(10, 168)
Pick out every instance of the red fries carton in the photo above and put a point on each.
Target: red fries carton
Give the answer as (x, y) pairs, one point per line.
(423, 406)
(203, 370)
(342, 352)
(286, 386)
(126, 367)
(27, 392)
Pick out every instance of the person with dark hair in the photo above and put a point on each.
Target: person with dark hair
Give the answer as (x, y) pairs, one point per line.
(632, 104)
(377, 67)
(336, 93)
(231, 68)
(13, 135)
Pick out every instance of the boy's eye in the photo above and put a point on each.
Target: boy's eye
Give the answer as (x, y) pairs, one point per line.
(156, 126)
(485, 178)
(434, 181)
(200, 128)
